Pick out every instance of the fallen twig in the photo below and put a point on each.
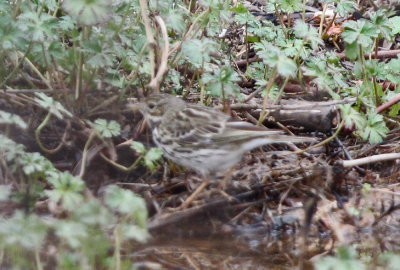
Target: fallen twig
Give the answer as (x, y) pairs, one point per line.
(309, 106)
(379, 55)
(388, 104)
(370, 159)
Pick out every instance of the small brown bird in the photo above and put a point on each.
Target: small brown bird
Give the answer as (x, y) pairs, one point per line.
(202, 138)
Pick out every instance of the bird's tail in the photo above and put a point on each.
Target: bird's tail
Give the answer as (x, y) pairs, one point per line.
(275, 137)
(282, 138)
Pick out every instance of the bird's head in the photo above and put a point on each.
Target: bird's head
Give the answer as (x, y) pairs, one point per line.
(155, 106)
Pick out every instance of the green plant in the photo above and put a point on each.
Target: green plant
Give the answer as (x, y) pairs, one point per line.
(87, 221)
(86, 55)
(149, 156)
(345, 259)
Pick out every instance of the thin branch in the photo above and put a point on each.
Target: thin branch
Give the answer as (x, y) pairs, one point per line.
(85, 153)
(149, 35)
(242, 106)
(379, 55)
(370, 159)
(156, 81)
(321, 24)
(122, 167)
(33, 67)
(331, 138)
(39, 130)
(388, 104)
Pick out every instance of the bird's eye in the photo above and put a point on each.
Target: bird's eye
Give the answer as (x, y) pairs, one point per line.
(152, 106)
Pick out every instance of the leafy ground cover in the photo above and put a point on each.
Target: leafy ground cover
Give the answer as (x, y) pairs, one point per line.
(83, 187)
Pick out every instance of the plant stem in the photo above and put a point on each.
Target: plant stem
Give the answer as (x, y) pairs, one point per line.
(17, 8)
(122, 167)
(16, 66)
(85, 152)
(78, 79)
(117, 248)
(149, 34)
(37, 260)
(271, 81)
(279, 15)
(33, 67)
(374, 84)
(321, 24)
(327, 140)
(38, 130)
(303, 12)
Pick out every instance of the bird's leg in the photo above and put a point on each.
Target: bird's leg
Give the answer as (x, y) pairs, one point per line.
(226, 179)
(224, 183)
(195, 194)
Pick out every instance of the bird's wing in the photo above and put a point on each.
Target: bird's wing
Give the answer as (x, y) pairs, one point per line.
(238, 131)
(201, 126)
(196, 125)
(243, 132)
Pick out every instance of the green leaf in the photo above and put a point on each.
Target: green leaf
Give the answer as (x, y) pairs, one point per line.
(67, 190)
(99, 52)
(66, 23)
(326, 76)
(286, 67)
(92, 212)
(221, 82)
(352, 118)
(5, 192)
(8, 118)
(71, 232)
(124, 201)
(11, 36)
(50, 104)
(34, 163)
(375, 130)
(27, 231)
(175, 21)
(10, 150)
(38, 27)
(138, 147)
(382, 25)
(240, 9)
(394, 110)
(153, 155)
(139, 234)
(394, 23)
(351, 51)
(345, 260)
(345, 7)
(307, 32)
(362, 32)
(389, 261)
(392, 70)
(252, 39)
(290, 6)
(107, 129)
(273, 57)
(88, 12)
(197, 52)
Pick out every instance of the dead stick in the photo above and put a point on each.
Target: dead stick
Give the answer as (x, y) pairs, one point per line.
(370, 159)
(388, 104)
(379, 55)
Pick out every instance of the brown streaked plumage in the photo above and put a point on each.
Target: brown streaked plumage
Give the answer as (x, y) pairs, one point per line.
(202, 138)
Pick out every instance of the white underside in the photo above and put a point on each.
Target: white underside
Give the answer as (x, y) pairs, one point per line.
(220, 160)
